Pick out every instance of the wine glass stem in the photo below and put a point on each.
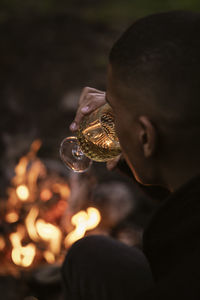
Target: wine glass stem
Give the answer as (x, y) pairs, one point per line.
(77, 153)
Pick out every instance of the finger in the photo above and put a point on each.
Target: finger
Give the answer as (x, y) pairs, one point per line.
(75, 124)
(86, 92)
(90, 102)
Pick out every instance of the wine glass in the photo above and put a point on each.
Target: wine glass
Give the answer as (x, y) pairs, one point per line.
(96, 140)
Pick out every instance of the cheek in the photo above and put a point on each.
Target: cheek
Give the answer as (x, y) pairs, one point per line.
(121, 125)
(124, 130)
(125, 139)
(131, 150)
(122, 134)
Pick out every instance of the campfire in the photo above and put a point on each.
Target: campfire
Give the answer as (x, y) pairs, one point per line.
(32, 228)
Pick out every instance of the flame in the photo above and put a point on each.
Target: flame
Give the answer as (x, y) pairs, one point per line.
(22, 192)
(41, 230)
(27, 171)
(94, 218)
(12, 217)
(35, 146)
(21, 255)
(83, 221)
(30, 223)
(62, 189)
(51, 234)
(2, 243)
(37, 170)
(25, 189)
(49, 256)
(21, 168)
(20, 171)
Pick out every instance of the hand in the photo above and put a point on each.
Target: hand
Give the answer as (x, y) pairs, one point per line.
(90, 100)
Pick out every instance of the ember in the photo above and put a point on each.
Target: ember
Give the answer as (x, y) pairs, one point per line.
(83, 221)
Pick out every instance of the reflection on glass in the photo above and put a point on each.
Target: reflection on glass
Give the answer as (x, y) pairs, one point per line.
(96, 140)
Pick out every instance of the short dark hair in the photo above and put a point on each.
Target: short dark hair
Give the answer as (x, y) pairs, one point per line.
(161, 52)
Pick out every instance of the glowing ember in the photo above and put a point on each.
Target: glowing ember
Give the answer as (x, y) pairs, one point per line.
(12, 217)
(82, 221)
(22, 192)
(2, 243)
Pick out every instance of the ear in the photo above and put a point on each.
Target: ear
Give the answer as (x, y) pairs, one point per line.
(147, 136)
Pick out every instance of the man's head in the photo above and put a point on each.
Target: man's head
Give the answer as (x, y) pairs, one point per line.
(154, 89)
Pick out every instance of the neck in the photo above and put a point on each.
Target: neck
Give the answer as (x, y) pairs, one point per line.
(175, 177)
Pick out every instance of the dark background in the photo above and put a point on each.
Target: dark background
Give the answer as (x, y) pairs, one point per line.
(50, 50)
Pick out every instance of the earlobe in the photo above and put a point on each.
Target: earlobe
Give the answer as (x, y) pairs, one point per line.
(147, 136)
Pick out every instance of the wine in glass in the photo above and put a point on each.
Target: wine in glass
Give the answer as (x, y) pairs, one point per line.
(96, 141)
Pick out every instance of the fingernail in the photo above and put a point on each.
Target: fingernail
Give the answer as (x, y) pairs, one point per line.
(73, 126)
(85, 109)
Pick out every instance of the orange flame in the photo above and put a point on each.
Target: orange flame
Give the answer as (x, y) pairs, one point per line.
(82, 221)
(30, 223)
(24, 189)
(21, 255)
(62, 189)
(41, 230)
(51, 234)
(27, 174)
(21, 168)
(49, 256)
(20, 171)
(2, 243)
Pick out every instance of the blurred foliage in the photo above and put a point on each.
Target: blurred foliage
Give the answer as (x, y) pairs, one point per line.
(129, 9)
(112, 12)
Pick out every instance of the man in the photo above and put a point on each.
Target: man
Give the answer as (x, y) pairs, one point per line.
(154, 89)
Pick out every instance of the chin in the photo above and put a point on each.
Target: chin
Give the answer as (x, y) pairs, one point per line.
(143, 179)
(142, 175)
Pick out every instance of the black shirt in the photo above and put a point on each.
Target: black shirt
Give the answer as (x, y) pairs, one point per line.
(172, 245)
